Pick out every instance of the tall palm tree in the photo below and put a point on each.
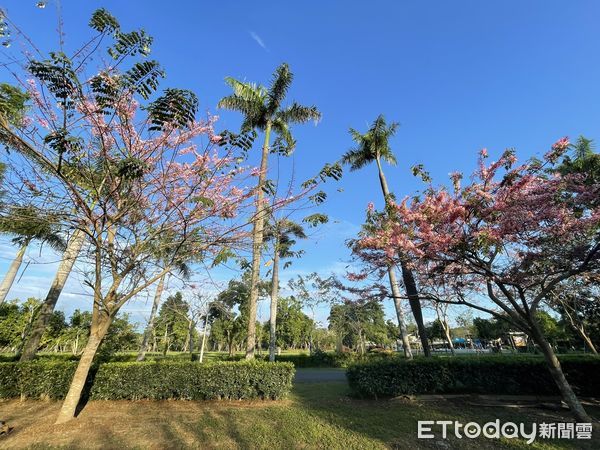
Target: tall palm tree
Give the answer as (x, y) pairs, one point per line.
(374, 146)
(263, 111)
(283, 234)
(26, 224)
(32, 343)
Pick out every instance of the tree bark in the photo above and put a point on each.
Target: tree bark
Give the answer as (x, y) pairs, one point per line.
(448, 337)
(166, 340)
(47, 309)
(399, 312)
(203, 339)
(69, 406)
(10, 276)
(150, 327)
(392, 274)
(257, 242)
(274, 299)
(580, 330)
(415, 305)
(444, 322)
(558, 375)
(191, 337)
(588, 341)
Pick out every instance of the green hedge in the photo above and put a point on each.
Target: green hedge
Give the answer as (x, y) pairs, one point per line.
(483, 375)
(150, 380)
(331, 359)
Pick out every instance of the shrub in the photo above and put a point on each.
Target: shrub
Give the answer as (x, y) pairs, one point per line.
(484, 375)
(151, 380)
(329, 359)
(43, 378)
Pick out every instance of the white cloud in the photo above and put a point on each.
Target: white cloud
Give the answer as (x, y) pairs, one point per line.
(258, 40)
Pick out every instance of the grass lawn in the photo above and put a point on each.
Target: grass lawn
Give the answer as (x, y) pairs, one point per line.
(316, 415)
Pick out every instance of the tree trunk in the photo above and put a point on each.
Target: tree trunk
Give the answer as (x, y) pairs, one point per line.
(10, 276)
(588, 341)
(191, 337)
(446, 326)
(399, 312)
(203, 339)
(448, 337)
(69, 406)
(392, 274)
(150, 327)
(415, 305)
(47, 309)
(166, 341)
(257, 241)
(274, 298)
(558, 375)
(230, 344)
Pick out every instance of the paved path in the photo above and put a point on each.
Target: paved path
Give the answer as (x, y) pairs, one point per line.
(319, 375)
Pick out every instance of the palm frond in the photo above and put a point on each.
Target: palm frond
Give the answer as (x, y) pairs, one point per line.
(283, 131)
(371, 145)
(583, 147)
(249, 91)
(357, 158)
(280, 84)
(296, 113)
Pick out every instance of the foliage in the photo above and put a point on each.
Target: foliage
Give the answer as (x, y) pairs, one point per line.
(435, 330)
(262, 107)
(60, 336)
(172, 323)
(484, 375)
(492, 328)
(320, 358)
(15, 319)
(13, 104)
(371, 146)
(294, 328)
(151, 380)
(357, 323)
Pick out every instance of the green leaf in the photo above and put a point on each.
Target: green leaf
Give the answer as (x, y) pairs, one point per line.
(132, 43)
(177, 107)
(102, 21)
(143, 78)
(318, 198)
(316, 219)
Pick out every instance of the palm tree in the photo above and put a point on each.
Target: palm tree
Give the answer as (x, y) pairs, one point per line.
(374, 146)
(262, 110)
(74, 246)
(281, 233)
(26, 224)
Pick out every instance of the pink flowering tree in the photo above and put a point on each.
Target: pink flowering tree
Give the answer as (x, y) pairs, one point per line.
(501, 244)
(147, 187)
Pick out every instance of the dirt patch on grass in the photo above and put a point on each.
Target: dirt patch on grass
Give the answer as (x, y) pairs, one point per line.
(115, 424)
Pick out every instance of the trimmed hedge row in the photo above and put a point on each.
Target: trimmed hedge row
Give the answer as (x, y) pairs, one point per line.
(482, 375)
(330, 359)
(316, 359)
(151, 380)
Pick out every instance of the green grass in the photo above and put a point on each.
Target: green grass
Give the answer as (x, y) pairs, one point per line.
(316, 415)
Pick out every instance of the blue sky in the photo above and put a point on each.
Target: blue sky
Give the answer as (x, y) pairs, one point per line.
(457, 75)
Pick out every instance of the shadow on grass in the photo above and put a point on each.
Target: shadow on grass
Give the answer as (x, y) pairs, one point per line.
(393, 422)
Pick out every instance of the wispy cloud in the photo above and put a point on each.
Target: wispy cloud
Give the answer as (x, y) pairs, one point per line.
(258, 40)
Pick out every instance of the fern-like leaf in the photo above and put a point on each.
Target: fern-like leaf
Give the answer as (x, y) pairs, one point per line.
(104, 22)
(131, 44)
(143, 78)
(177, 107)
